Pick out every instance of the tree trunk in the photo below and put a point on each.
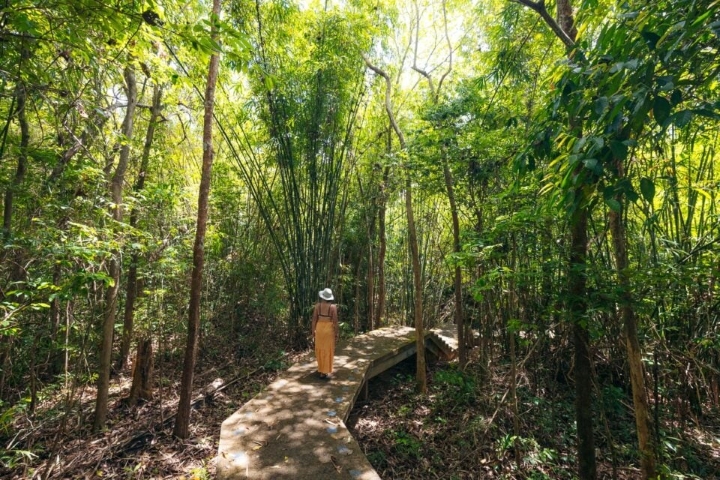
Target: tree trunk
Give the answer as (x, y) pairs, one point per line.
(512, 312)
(412, 239)
(182, 422)
(142, 373)
(21, 97)
(131, 294)
(587, 466)
(513, 395)
(421, 378)
(356, 322)
(434, 93)
(55, 358)
(632, 345)
(380, 312)
(5, 364)
(459, 322)
(33, 375)
(564, 29)
(132, 280)
(116, 186)
(577, 306)
(371, 276)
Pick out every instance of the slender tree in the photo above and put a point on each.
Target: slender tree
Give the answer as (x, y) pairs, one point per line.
(182, 422)
(565, 30)
(421, 378)
(21, 99)
(382, 238)
(132, 278)
(116, 190)
(632, 344)
(448, 177)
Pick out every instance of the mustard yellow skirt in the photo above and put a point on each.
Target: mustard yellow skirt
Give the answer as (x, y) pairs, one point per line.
(325, 346)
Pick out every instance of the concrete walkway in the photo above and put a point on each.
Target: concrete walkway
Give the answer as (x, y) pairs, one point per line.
(295, 429)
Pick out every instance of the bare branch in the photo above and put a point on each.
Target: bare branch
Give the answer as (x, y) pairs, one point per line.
(422, 72)
(450, 49)
(388, 95)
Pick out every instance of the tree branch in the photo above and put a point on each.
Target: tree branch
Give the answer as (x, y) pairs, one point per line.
(450, 49)
(540, 8)
(414, 65)
(388, 104)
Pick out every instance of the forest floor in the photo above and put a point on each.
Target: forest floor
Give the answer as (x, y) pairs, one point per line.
(138, 443)
(463, 429)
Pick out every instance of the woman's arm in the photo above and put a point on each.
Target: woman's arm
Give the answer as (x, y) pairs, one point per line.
(314, 318)
(336, 324)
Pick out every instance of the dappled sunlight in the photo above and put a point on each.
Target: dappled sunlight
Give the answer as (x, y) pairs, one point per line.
(295, 428)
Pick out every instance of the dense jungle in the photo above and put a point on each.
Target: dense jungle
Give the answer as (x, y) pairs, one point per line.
(180, 178)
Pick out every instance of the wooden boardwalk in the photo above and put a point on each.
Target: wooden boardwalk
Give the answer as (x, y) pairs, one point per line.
(295, 429)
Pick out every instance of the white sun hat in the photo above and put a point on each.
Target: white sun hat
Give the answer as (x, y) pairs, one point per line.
(327, 295)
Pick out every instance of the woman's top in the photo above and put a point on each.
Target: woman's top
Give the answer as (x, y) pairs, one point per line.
(325, 312)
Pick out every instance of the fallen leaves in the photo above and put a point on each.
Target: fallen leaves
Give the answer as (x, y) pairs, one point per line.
(335, 463)
(259, 444)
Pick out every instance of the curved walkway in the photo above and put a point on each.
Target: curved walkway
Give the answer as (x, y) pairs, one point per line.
(295, 428)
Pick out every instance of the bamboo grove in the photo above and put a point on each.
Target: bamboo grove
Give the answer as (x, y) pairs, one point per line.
(540, 174)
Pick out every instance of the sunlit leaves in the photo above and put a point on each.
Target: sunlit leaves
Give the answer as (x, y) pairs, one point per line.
(640, 80)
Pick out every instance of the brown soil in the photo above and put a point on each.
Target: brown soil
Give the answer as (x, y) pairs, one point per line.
(458, 431)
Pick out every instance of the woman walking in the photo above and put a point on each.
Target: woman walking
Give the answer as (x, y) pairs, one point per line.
(325, 331)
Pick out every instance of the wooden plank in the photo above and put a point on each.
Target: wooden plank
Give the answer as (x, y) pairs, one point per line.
(295, 428)
(389, 361)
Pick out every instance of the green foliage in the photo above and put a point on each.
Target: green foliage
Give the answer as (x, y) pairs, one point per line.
(613, 399)
(10, 458)
(377, 459)
(406, 444)
(613, 84)
(307, 112)
(7, 417)
(304, 165)
(454, 378)
(199, 473)
(277, 364)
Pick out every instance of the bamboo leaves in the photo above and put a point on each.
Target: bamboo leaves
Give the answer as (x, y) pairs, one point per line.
(299, 179)
(647, 188)
(661, 110)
